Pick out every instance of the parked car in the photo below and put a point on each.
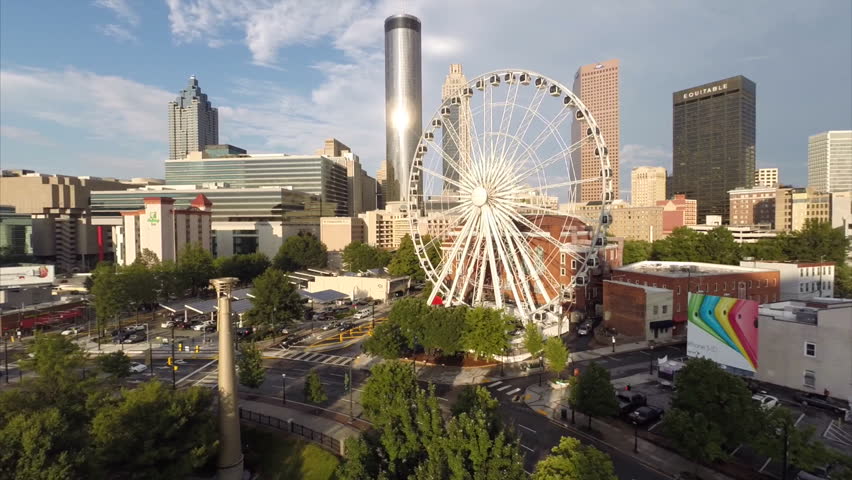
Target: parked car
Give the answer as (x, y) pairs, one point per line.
(645, 415)
(820, 401)
(766, 402)
(72, 331)
(362, 314)
(135, 328)
(242, 331)
(201, 325)
(818, 473)
(137, 367)
(168, 324)
(210, 328)
(135, 338)
(627, 402)
(585, 329)
(345, 326)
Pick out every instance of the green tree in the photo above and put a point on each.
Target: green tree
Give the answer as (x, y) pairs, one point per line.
(636, 251)
(556, 355)
(765, 249)
(475, 398)
(818, 241)
(718, 246)
(314, 391)
(195, 268)
(166, 280)
(359, 256)
(37, 446)
(804, 451)
(405, 261)
(694, 435)
(410, 314)
(389, 382)
(301, 251)
(488, 332)
(533, 340)
(245, 267)
(109, 294)
(153, 432)
(387, 341)
(444, 329)
(842, 281)
(276, 302)
(139, 285)
(682, 245)
(148, 258)
(593, 394)
(725, 401)
(571, 460)
(362, 462)
(473, 452)
(115, 364)
(250, 366)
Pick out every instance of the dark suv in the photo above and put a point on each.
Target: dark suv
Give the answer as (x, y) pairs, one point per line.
(820, 401)
(627, 402)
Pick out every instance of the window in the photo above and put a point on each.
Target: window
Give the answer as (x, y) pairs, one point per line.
(810, 378)
(665, 309)
(562, 272)
(715, 286)
(774, 282)
(656, 309)
(678, 289)
(810, 349)
(765, 282)
(678, 308)
(562, 259)
(749, 284)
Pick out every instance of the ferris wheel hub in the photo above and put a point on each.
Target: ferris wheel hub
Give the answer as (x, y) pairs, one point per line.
(479, 196)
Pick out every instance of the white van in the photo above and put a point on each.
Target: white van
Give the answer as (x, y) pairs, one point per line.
(362, 314)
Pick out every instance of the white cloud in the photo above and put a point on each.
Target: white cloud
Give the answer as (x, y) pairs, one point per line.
(121, 8)
(118, 32)
(24, 134)
(102, 106)
(633, 155)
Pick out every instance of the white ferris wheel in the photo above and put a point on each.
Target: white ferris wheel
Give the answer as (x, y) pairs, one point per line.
(491, 193)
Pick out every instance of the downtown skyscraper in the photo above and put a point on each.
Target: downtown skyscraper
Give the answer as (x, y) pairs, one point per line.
(713, 129)
(597, 86)
(403, 102)
(455, 142)
(830, 161)
(193, 122)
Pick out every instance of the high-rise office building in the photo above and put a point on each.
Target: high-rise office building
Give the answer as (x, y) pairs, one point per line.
(830, 161)
(403, 102)
(455, 141)
(647, 186)
(193, 122)
(766, 177)
(597, 86)
(714, 142)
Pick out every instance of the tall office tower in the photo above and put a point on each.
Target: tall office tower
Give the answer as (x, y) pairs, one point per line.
(455, 141)
(193, 122)
(766, 177)
(403, 103)
(647, 186)
(830, 161)
(714, 142)
(597, 86)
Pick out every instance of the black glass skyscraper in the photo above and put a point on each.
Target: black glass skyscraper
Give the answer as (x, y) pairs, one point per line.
(713, 129)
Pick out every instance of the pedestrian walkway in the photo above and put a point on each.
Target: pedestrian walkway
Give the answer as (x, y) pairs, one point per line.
(311, 357)
(211, 380)
(549, 401)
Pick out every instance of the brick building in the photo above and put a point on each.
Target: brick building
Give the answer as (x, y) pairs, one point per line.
(638, 311)
(679, 211)
(759, 284)
(752, 206)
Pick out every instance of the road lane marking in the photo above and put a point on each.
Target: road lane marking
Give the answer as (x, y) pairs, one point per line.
(512, 392)
(764, 465)
(799, 420)
(196, 371)
(655, 425)
(335, 374)
(504, 388)
(498, 382)
(528, 448)
(527, 428)
(737, 449)
(442, 398)
(644, 352)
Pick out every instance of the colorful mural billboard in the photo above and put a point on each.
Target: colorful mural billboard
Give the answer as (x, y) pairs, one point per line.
(724, 330)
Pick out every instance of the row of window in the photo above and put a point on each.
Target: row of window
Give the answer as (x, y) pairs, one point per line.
(813, 287)
(813, 271)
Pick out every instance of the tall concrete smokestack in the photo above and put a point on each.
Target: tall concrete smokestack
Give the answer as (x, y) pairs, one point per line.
(230, 464)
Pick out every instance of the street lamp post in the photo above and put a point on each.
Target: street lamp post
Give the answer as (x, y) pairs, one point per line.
(351, 380)
(613, 344)
(5, 349)
(651, 361)
(283, 389)
(173, 357)
(150, 352)
(635, 437)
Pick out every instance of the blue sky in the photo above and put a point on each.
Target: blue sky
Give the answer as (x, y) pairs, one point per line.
(84, 84)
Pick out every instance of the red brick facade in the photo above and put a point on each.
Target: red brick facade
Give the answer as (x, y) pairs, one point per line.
(627, 307)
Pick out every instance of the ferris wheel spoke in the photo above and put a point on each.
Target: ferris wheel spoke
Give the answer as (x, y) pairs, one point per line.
(472, 260)
(566, 152)
(514, 247)
(460, 262)
(464, 174)
(506, 120)
(570, 183)
(455, 136)
(511, 278)
(530, 206)
(549, 130)
(529, 114)
(490, 233)
(523, 247)
(451, 256)
(435, 174)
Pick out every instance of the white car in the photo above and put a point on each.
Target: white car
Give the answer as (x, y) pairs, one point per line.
(137, 367)
(766, 402)
(361, 314)
(135, 328)
(71, 331)
(584, 329)
(167, 324)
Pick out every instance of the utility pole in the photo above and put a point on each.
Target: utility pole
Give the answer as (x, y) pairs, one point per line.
(173, 357)
(351, 415)
(784, 466)
(5, 348)
(150, 352)
(283, 389)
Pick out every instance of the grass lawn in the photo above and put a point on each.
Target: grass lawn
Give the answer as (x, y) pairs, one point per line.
(277, 456)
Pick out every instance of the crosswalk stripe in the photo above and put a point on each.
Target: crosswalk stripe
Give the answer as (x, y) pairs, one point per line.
(498, 382)
(314, 357)
(341, 360)
(504, 388)
(303, 356)
(512, 392)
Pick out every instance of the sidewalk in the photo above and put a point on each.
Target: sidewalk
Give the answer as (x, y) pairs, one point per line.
(330, 428)
(549, 402)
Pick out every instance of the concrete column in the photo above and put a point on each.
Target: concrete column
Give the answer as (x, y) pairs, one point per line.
(230, 463)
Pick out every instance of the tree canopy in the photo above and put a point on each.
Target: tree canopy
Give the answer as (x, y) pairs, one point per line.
(592, 394)
(301, 251)
(359, 257)
(314, 392)
(636, 251)
(194, 268)
(556, 355)
(405, 261)
(250, 366)
(571, 460)
(115, 364)
(276, 302)
(245, 267)
(488, 332)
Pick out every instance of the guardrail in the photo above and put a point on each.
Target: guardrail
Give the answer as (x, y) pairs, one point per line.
(330, 443)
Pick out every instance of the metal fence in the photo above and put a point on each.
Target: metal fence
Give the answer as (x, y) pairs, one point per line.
(322, 439)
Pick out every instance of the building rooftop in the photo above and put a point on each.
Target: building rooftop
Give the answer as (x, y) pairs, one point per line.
(643, 287)
(685, 269)
(798, 264)
(802, 311)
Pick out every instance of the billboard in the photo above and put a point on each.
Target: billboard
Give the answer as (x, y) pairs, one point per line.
(723, 329)
(22, 275)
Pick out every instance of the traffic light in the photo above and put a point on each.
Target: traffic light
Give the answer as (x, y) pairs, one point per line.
(197, 348)
(175, 367)
(169, 361)
(180, 347)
